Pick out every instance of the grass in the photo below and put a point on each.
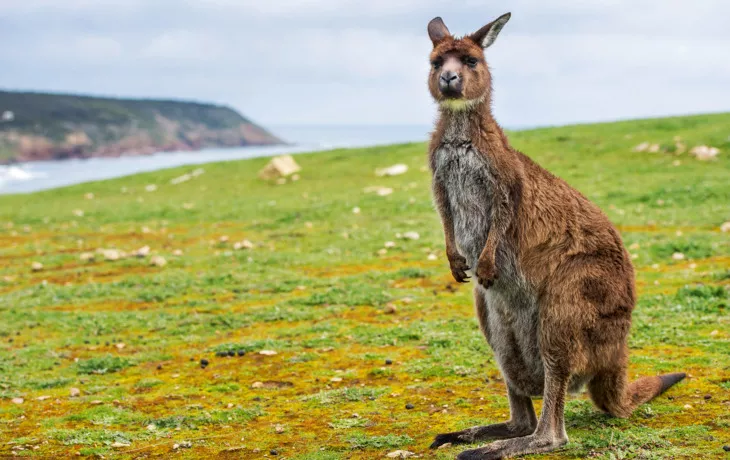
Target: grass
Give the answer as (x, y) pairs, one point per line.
(358, 334)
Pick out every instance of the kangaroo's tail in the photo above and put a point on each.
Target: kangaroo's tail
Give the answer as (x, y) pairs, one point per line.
(612, 393)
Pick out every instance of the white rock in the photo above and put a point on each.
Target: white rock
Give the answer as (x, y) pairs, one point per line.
(356, 210)
(678, 256)
(380, 191)
(36, 266)
(151, 187)
(177, 252)
(336, 379)
(653, 148)
(245, 244)
(432, 257)
(394, 170)
(257, 385)
(78, 213)
(120, 444)
(74, 392)
(400, 454)
(704, 152)
(158, 261)
(43, 398)
(111, 254)
(382, 252)
(86, 256)
(267, 352)
(281, 166)
(17, 400)
(181, 179)
(411, 235)
(643, 147)
(725, 227)
(389, 244)
(144, 251)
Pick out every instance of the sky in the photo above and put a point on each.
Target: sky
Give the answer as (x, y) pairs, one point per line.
(317, 62)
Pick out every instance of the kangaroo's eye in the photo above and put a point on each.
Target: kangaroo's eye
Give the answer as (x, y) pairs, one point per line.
(471, 61)
(436, 63)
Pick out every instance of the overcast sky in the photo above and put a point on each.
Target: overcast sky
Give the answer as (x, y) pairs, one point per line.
(365, 61)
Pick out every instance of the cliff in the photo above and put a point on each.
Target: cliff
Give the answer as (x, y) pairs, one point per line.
(38, 126)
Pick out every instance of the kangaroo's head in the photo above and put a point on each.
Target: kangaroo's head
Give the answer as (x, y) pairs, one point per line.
(459, 76)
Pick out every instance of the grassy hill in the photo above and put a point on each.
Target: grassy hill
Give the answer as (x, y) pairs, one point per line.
(43, 126)
(106, 354)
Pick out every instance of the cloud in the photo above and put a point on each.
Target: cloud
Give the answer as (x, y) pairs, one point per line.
(358, 61)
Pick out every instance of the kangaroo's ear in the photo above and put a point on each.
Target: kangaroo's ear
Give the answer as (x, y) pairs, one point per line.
(485, 36)
(437, 30)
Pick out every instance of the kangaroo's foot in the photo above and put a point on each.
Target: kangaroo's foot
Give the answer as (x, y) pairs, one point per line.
(484, 433)
(532, 444)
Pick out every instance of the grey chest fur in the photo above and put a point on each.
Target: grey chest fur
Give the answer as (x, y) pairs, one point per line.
(470, 186)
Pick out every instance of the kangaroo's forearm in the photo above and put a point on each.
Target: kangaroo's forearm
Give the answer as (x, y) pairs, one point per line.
(501, 219)
(447, 220)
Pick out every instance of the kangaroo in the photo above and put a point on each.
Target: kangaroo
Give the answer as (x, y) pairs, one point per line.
(555, 286)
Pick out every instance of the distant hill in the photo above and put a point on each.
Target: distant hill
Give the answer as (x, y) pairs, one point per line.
(39, 126)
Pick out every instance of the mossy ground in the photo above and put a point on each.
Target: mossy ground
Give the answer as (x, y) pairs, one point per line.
(315, 290)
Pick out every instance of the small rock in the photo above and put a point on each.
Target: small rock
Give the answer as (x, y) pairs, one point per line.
(394, 170)
(17, 400)
(400, 454)
(432, 257)
(89, 196)
(144, 251)
(111, 254)
(120, 346)
(231, 353)
(409, 406)
(257, 385)
(158, 261)
(707, 397)
(87, 256)
(295, 177)
(336, 379)
(388, 362)
(411, 235)
(204, 363)
(151, 427)
(120, 444)
(380, 191)
(97, 402)
(643, 147)
(74, 392)
(726, 448)
(390, 309)
(687, 406)
(279, 429)
(389, 244)
(281, 181)
(725, 227)
(177, 252)
(445, 445)
(267, 352)
(241, 352)
(245, 244)
(223, 239)
(43, 398)
(356, 210)
(279, 167)
(78, 213)
(382, 252)
(714, 333)
(678, 256)
(274, 452)
(36, 266)
(704, 152)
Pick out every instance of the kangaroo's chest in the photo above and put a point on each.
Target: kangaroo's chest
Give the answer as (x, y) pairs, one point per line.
(470, 186)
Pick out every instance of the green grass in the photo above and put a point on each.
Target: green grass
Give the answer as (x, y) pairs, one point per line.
(317, 290)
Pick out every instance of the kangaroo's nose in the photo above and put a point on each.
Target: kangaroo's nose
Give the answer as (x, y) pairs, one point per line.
(450, 84)
(449, 76)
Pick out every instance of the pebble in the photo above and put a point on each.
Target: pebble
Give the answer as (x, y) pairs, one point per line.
(204, 363)
(267, 352)
(726, 448)
(241, 352)
(725, 227)
(445, 446)
(144, 251)
(432, 257)
(36, 266)
(708, 397)
(43, 398)
(389, 244)
(336, 379)
(279, 429)
(388, 362)
(257, 385)
(411, 235)
(74, 392)
(678, 256)
(390, 309)
(17, 400)
(356, 210)
(274, 452)
(409, 406)
(231, 353)
(400, 454)
(158, 261)
(687, 406)
(87, 256)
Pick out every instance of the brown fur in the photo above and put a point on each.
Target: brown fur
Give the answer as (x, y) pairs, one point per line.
(570, 255)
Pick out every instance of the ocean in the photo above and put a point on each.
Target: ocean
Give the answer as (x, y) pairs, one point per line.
(43, 175)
